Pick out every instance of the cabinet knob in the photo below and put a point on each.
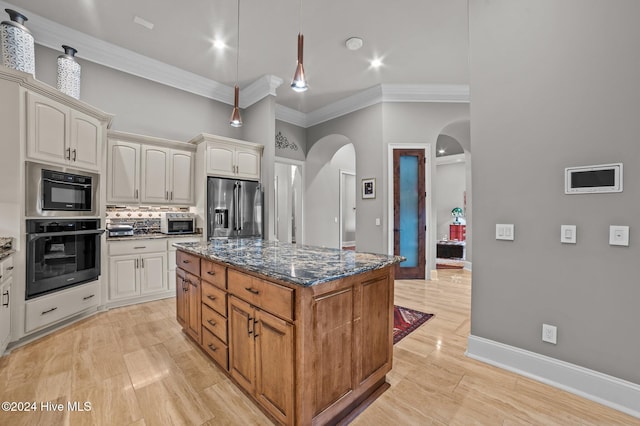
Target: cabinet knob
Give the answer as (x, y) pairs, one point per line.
(211, 272)
(212, 323)
(211, 297)
(252, 290)
(213, 348)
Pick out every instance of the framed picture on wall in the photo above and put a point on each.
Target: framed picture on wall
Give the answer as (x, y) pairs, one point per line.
(369, 188)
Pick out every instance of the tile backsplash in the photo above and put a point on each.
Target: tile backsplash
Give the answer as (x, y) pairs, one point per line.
(144, 219)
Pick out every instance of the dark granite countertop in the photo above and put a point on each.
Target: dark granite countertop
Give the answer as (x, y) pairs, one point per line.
(297, 264)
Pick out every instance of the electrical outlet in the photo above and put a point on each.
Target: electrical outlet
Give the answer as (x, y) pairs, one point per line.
(549, 333)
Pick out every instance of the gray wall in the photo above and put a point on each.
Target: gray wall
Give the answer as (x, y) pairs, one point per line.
(296, 136)
(450, 187)
(363, 128)
(555, 84)
(323, 197)
(143, 106)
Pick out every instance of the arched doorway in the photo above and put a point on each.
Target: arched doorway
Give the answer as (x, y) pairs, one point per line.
(330, 193)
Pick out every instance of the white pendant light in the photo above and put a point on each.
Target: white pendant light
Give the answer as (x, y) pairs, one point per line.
(299, 82)
(236, 120)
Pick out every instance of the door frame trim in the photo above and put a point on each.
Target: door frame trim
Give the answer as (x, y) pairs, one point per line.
(292, 162)
(428, 202)
(341, 191)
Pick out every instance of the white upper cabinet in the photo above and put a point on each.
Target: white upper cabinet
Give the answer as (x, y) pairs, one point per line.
(181, 177)
(56, 133)
(148, 174)
(228, 159)
(123, 172)
(155, 174)
(167, 175)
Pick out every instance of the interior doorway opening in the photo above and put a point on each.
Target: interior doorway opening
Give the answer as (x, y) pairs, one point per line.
(347, 210)
(288, 196)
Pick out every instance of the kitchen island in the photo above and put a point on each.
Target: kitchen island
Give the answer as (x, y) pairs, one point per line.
(307, 332)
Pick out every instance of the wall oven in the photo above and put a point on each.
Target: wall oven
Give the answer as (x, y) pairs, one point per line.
(61, 254)
(60, 192)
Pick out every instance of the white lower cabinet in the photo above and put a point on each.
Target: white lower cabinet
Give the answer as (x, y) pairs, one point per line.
(6, 279)
(137, 268)
(47, 310)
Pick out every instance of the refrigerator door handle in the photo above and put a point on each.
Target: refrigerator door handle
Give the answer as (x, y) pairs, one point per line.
(235, 207)
(240, 206)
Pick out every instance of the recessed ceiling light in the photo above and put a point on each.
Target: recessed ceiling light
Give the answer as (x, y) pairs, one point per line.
(441, 151)
(140, 21)
(376, 63)
(353, 43)
(219, 44)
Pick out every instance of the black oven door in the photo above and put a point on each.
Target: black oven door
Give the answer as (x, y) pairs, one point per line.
(66, 195)
(59, 258)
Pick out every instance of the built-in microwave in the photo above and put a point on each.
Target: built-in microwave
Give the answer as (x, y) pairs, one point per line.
(177, 223)
(60, 191)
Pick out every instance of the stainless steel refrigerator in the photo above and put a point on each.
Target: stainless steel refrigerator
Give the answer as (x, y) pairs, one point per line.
(234, 208)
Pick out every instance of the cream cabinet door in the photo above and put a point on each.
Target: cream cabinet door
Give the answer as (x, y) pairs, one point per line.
(155, 174)
(86, 141)
(47, 130)
(123, 172)
(247, 163)
(181, 173)
(5, 313)
(123, 277)
(153, 273)
(220, 160)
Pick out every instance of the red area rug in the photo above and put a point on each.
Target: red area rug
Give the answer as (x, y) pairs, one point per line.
(406, 320)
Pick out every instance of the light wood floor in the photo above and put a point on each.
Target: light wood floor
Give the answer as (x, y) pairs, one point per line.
(135, 367)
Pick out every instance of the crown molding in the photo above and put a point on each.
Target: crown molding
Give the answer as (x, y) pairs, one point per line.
(375, 95)
(425, 93)
(450, 159)
(259, 89)
(291, 116)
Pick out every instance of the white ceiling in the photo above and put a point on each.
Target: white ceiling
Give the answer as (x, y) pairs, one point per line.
(421, 42)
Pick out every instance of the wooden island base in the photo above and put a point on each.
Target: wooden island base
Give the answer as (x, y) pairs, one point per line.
(307, 355)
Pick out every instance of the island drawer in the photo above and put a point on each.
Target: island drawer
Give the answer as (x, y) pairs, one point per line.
(213, 273)
(215, 348)
(188, 262)
(271, 297)
(214, 297)
(214, 322)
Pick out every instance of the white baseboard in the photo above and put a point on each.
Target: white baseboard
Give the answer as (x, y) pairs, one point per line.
(607, 390)
(467, 265)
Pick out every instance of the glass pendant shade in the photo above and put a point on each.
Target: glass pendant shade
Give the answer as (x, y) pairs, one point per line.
(236, 120)
(299, 82)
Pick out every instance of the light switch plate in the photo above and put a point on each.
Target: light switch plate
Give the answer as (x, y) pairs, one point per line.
(618, 235)
(505, 231)
(568, 234)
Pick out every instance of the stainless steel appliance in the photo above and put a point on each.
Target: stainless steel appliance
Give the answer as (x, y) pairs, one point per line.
(60, 191)
(61, 253)
(234, 208)
(120, 230)
(177, 223)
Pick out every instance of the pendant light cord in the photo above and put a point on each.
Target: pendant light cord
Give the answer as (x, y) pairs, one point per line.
(300, 19)
(238, 47)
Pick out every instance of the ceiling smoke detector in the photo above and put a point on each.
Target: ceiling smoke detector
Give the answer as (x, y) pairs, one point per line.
(353, 43)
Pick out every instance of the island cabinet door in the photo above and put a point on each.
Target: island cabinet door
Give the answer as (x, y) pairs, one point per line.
(376, 340)
(194, 317)
(181, 298)
(241, 343)
(275, 358)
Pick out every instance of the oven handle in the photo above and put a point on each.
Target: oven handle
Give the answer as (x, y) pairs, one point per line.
(64, 233)
(68, 183)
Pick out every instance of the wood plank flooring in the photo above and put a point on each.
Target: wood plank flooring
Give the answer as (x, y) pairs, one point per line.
(136, 367)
